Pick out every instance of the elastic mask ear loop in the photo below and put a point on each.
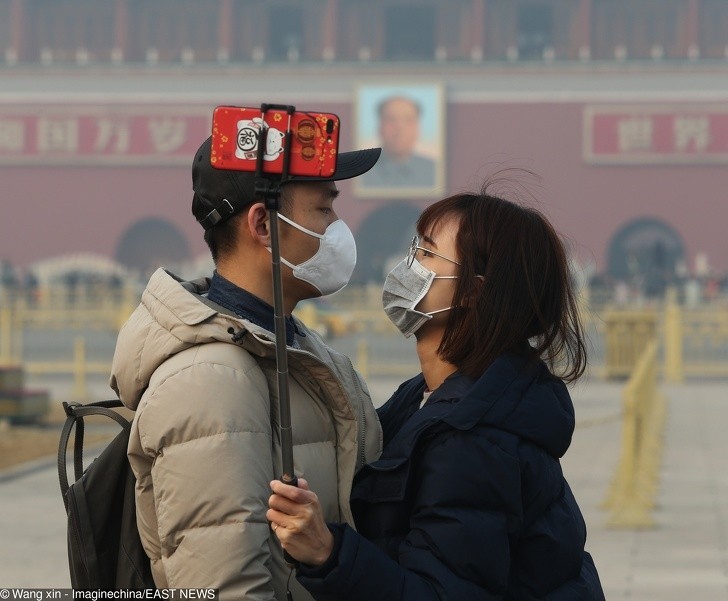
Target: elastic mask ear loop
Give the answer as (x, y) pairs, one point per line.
(300, 227)
(291, 265)
(431, 313)
(442, 277)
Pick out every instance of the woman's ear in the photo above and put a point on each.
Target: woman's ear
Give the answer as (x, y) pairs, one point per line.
(470, 298)
(259, 224)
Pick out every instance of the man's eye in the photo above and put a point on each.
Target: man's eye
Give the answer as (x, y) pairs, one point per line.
(325, 210)
(426, 253)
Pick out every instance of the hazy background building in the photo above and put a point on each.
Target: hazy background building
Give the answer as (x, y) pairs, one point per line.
(621, 108)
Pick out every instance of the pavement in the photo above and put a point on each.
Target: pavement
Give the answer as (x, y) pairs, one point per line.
(685, 557)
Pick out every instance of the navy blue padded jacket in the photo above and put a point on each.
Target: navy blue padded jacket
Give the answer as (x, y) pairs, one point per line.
(468, 500)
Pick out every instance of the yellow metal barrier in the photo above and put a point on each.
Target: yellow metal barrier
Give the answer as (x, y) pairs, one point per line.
(6, 335)
(694, 340)
(703, 341)
(628, 333)
(79, 367)
(368, 368)
(362, 358)
(631, 497)
(673, 337)
(59, 309)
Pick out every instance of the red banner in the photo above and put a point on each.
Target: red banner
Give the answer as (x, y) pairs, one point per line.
(101, 134)
(656, 134)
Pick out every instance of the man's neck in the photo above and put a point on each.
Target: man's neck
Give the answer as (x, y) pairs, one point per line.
(248, 306)
(257, 282)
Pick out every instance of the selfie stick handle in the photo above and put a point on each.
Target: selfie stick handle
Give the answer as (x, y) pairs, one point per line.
(271, 191)
(281, 356)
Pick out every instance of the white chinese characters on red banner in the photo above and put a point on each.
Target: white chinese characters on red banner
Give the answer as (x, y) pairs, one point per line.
(123, 135)
(653, 134)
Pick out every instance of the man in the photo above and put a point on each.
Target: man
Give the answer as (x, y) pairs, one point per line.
(399, 131)
(196, 361)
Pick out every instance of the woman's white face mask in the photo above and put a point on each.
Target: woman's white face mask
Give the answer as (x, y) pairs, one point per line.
(330, 268)
(406, 285)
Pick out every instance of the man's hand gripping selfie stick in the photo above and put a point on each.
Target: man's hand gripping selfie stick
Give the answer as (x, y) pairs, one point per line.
(271, 193)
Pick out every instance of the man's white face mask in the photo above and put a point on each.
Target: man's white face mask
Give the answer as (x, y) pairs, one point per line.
(330, 269)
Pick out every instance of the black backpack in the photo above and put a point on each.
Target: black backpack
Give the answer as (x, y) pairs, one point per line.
(104, 548)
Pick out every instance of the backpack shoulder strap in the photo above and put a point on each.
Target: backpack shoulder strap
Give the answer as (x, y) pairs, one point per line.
(75, 412)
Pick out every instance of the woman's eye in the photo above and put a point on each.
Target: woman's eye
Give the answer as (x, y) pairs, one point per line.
(426, 253)
(326, 211)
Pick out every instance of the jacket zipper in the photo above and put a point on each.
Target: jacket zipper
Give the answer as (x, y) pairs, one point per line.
(363, 418)
(361, 426)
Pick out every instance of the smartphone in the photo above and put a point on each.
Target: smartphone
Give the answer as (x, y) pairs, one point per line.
(314, 140)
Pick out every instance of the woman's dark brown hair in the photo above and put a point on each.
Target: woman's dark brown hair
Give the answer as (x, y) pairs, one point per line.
(525, 294)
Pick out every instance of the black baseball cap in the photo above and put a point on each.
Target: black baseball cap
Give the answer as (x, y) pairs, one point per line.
(222, 193)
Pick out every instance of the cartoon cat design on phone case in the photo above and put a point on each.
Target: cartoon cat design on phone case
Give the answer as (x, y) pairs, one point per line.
(247, 140)
(314, 140)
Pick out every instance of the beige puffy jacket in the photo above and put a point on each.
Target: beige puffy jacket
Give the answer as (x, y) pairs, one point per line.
(205, 443)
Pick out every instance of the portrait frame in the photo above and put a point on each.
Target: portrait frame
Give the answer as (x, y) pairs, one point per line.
(422, 174)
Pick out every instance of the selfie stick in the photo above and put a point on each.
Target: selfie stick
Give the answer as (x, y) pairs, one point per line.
(270, 190)
(271, 193)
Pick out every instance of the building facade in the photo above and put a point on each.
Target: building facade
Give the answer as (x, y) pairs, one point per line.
(243, 31)
(632, 154)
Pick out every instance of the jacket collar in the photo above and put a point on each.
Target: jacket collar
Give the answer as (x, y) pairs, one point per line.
(515, 394)
(402, 412)
(248, 306)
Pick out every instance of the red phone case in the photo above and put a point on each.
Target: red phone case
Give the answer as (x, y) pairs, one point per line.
(314, 140)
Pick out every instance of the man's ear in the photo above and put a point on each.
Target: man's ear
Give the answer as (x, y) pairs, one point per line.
(259, 224)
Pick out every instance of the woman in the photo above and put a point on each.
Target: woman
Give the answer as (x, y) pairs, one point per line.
(468, 500)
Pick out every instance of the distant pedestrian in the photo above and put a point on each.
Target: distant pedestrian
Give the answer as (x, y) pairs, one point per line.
(30, 285)
(8, 277)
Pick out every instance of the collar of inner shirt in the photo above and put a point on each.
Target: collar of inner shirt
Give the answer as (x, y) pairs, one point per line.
(248, 306)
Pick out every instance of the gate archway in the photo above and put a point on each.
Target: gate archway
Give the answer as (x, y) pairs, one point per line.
(646, 251)
(381, 239)
(150, 243)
